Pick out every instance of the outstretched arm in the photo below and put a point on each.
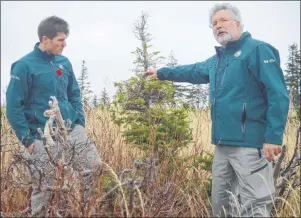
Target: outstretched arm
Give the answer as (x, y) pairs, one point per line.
(193, 73)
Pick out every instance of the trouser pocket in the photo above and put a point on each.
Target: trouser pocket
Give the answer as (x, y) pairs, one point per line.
(256, 175)
(259, 169)
(261, 162)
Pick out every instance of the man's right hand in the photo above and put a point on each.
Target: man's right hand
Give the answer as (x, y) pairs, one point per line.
(30, 148)
(151, 72)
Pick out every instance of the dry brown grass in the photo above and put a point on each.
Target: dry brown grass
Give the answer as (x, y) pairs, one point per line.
(180, 189)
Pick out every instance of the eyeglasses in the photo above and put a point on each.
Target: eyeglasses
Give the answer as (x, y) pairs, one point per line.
(221, 21)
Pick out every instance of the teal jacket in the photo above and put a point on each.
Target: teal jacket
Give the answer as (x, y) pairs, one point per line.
(34, 78)
(248, 95)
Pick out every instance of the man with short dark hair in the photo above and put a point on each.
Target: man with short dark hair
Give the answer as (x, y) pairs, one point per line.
(36, 77)
(249, 105)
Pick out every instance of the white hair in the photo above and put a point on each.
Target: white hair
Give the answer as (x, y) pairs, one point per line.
(227, 6)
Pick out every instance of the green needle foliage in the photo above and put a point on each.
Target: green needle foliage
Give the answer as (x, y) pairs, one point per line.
(144, 107)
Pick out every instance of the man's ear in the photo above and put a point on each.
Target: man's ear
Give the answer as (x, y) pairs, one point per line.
(45, 38)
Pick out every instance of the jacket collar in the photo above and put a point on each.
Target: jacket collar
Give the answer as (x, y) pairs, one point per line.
(233, 45)
(43, 54)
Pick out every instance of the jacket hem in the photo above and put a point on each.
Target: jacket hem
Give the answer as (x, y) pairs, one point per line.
(240, 144)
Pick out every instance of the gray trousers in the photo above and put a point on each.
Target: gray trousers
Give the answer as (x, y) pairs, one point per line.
(242, 182)
(86, 160)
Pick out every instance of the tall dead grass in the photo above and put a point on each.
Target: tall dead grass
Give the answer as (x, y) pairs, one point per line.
(180, 186)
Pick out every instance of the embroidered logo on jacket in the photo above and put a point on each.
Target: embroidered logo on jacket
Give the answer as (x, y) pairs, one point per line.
(15, 77)
(61, 67)
(238, 53)
(268, 61)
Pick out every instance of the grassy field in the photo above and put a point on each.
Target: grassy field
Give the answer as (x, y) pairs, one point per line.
(180, 185)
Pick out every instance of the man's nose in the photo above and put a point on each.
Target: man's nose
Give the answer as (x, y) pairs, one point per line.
(218, 25)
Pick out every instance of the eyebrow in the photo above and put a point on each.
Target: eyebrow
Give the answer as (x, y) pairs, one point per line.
(223, 18)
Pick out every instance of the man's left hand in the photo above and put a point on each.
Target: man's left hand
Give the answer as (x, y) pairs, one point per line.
(271, 151)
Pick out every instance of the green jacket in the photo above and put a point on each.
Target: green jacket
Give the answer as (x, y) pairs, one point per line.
(248, 95)
(34, 78)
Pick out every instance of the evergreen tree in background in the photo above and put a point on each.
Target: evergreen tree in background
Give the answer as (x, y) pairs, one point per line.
(293, 74)
(179, 87)
(84, 85)
(198, 95)
(95, 102)
(104, 98)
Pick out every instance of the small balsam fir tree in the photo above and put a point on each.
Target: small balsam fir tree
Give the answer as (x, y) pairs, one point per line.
(146, 107)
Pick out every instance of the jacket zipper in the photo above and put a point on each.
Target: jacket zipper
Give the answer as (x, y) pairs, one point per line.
(53, 67)
(224, 74)
(214, 101)
(243, 120)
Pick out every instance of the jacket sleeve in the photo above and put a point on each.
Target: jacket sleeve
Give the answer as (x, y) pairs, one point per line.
(74, 97)
(16, 96)
(193, 73)
(265, 64)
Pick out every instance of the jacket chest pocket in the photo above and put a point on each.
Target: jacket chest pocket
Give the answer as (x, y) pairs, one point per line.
(235, 73)
(43, 80)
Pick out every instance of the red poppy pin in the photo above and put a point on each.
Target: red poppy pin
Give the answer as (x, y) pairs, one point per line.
(59, 72)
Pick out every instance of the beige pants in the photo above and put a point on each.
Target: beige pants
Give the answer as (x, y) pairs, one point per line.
(86, 160)
(243, 177)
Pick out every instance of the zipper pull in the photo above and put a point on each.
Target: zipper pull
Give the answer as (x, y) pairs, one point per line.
(259, 152)
(51, 63)
(214, 101)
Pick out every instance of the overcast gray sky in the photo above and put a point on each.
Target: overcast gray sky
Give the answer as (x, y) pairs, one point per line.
(101, 32)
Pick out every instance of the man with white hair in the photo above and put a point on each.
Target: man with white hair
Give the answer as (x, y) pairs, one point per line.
(249, 106)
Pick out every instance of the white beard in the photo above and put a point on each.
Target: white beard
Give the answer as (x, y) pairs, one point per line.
(223, 39)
